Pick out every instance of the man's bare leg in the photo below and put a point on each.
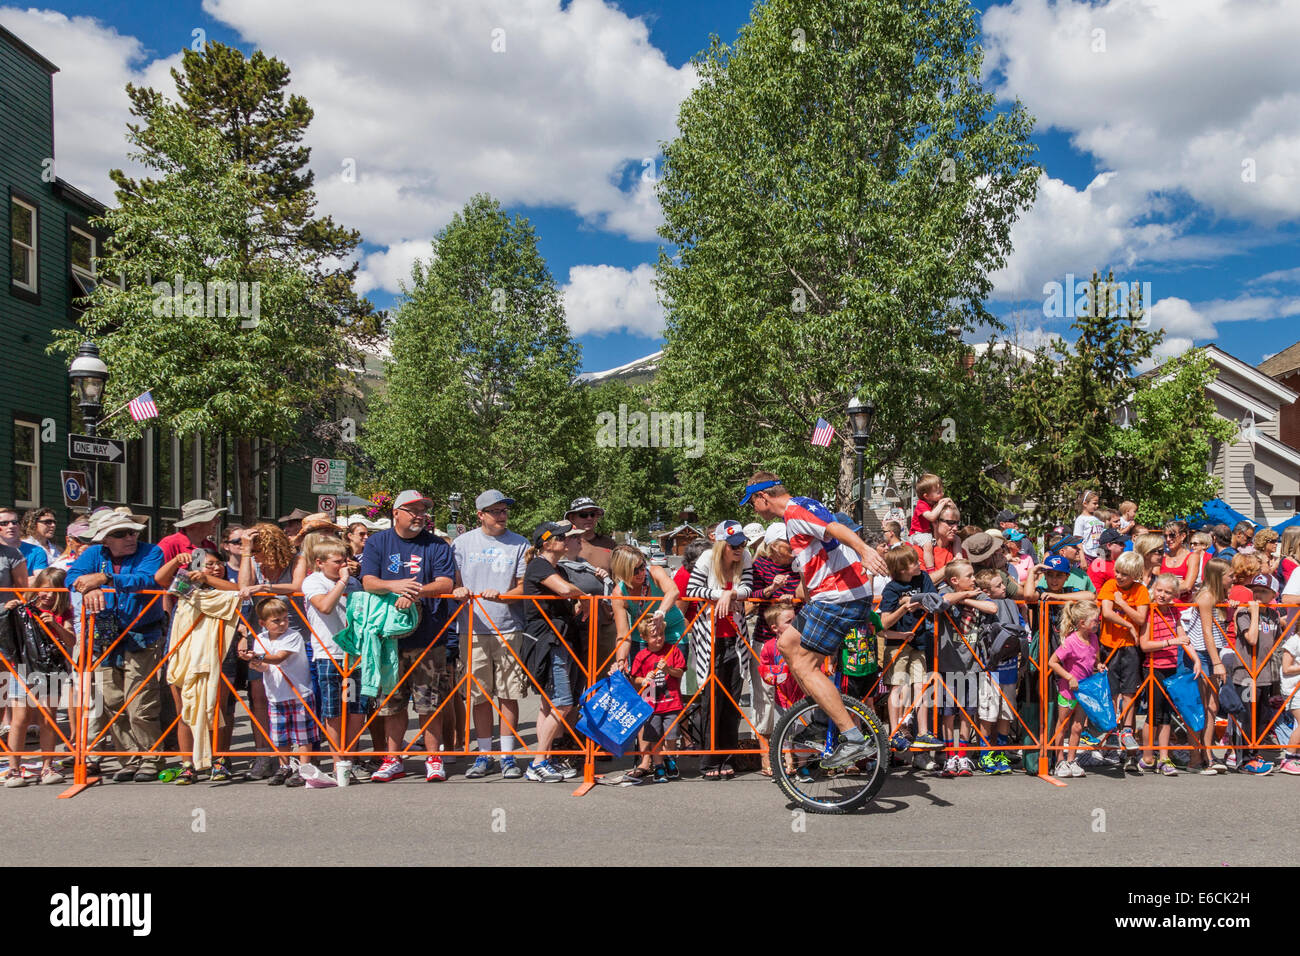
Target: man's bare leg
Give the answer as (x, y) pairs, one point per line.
(806, 666)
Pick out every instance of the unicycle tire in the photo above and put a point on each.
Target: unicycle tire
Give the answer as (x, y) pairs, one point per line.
(800, 738)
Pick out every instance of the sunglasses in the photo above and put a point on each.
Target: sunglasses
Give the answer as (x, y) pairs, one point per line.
(46, 521)
(122, 534)
(497, 512)
(8, 521)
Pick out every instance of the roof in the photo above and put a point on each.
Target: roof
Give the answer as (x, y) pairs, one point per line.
(28, 52)
(678, 530)
(1287, 360)
(1248, 373)
(74, 195)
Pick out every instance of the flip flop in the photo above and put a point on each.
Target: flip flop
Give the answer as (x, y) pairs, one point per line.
(765, 771)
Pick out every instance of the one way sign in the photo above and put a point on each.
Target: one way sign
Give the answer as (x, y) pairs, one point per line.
(85, 448)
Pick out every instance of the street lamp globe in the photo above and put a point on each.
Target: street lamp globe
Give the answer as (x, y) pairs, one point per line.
(88, 374)
(862, 415)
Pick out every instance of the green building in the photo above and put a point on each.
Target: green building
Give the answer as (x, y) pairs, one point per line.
(52, 253)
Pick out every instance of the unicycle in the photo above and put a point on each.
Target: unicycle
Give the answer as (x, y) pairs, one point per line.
(804, 735)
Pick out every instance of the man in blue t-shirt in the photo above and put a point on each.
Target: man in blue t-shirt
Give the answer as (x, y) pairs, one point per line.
(410, 561)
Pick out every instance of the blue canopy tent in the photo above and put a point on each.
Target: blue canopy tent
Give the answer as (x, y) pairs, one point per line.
(1290, 522)
(1217, 511)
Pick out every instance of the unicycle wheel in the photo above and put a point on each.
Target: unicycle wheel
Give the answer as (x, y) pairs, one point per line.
(804, 735)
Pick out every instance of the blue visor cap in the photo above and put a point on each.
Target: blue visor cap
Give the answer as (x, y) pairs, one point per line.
(758, 486)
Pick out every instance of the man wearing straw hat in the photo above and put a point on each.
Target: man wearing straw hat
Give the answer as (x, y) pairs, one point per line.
(194, 529)
(120, 561)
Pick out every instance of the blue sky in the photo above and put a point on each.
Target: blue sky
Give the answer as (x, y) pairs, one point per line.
(1147, 117)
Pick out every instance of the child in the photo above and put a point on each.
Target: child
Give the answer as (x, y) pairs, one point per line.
(281, 657)
(1078, 657)
(1254, 668)
(1124, 605)
(1108, 517)
(893, 533)
(1055, 586)
(998, 681)
(1150, 547)
(657, 673)
(1161, 640)
(930, 502)
(900, 611)
(958, 637)
(1201, 542)
(774, 670)
(1207, 625)
(1102, 568)
(1290, 762)
(1127, 515)
(54, 611)
(326, 593)
(1088, 526)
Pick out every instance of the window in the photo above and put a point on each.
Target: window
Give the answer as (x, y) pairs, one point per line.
(109, 482)
(81, 256)
(22, 244)
(139, 470)
(166, 469)
(27, 464)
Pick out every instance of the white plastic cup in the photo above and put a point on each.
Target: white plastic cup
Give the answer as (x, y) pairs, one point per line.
(342, 772)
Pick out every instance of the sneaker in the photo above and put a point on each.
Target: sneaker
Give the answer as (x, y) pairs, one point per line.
(929, 741)
(1230, 762)
(1257, 766)
(900, 741)
(294, 779)
(988, 763)
(1128, 741)
(278, 778)
(804, 774)
(542, 772)
(481, 767)
(1004, 763)
(564, 767)
(1290, 765)
(925, 760)
(1063, 769)
(846, 752)
(263, 767)
(950, 767)
(965, 767)
(510, 769)
(1167, 768)
(147, 774)
(126, 774)
(1181, 758)
(670, 768)
(1138, 765)
(391, 769)
(360, 773)
(220, 770)
(1076, 770)
(1089, 739)
(661, 775)
(367, 764)
(434, 772)
(186, 776)
(1088, 758)
(14, 778)
(1111, 758)
(52, 776)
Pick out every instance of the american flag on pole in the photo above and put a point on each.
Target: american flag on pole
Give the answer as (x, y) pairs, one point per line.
(142, 407)
(823, 433)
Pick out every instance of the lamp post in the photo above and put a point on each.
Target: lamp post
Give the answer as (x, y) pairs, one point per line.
(88, 374)
(453, 500)
(862, 416)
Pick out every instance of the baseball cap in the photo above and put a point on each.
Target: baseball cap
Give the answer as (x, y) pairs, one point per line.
(489, 498)
(1065, 541)
(753, 532)
(1111, 536)
(583, 504)
(775, 532)
(1056, 562)
(1013, 535)
(1263, 581)
(844, 518)
(730, 532)
(408, 498)
(1006, 515)
(546, 531)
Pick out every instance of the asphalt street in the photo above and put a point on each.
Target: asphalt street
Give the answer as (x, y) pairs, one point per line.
(1230, 820)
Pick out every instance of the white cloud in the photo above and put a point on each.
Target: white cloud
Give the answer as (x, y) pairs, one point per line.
(1279, 275)
(415, 94)
(91, 108)
(1186, 323)
(1183, 94)
(602, 299)
(391, 267)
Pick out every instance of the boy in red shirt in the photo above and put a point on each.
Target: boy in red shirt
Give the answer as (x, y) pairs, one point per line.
(1124, 604)
(657, 673)
(1102, 568)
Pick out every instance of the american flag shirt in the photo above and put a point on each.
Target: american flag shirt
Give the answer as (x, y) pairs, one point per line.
(831, 572)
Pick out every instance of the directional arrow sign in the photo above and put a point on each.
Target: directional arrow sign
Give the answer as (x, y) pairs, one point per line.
(85, 448)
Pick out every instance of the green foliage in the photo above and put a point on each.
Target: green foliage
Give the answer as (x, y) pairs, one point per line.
(839, 191)
(631, 483)
(481, 389)
(1079, 417)
(208, 373)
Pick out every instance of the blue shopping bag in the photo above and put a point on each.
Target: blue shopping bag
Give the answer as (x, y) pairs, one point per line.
(1186, 696)
(1093, 695)
(612, 712)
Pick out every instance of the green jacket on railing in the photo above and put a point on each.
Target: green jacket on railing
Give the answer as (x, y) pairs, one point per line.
(374, 625)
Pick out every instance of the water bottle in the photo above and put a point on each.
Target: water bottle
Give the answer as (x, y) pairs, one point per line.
(170, 774)
(343, 772)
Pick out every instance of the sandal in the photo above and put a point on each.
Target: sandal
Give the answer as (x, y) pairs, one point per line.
(714, 774)
(727, 772)
(638, 773)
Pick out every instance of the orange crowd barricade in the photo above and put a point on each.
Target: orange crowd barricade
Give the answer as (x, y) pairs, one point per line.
(95, 732)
